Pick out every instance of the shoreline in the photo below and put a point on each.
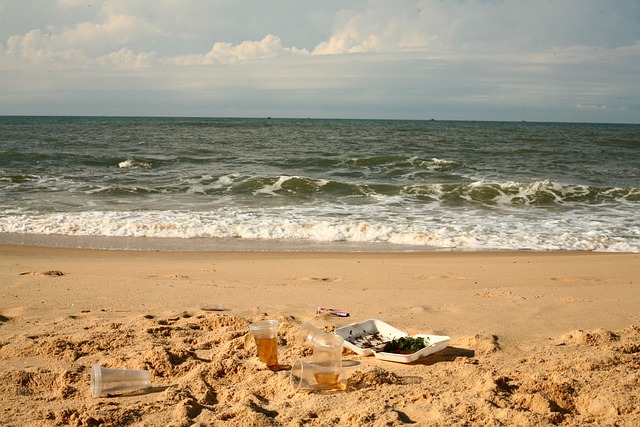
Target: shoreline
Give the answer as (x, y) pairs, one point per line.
(191, 244)
(228, 244)
(545, 338)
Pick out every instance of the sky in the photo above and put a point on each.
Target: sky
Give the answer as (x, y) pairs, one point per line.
(534, 60)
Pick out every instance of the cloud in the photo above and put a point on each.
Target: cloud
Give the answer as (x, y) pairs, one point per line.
(232, 54)
(406, 58)
(83, 44)
(115, 31)
(367, 26)
(35, 48)
(480, 25)
(75, 3)
(591, 107)
(227, 53)
(384, 28)
(125, 59)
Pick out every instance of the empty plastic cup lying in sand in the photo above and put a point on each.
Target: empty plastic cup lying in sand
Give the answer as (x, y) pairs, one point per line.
(106, 381)
(306, 376)
(307, 332)
(327, 350)
(265, 333)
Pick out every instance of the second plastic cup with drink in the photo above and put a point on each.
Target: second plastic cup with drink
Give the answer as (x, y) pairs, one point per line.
(327, 350)
(306, 376)
(324, 372)
(265, 334)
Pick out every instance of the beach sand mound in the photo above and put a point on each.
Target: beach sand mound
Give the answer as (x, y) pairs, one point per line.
(205, 372)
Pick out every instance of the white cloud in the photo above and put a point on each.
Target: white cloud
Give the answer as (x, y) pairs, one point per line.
(83, 44)
(591, 107)
(387, 26)
(116, 30)
(227, 53)
(270, 46)
(381, 58)
(75, 3)
(125, 59)
(480, 25)
(34, 49)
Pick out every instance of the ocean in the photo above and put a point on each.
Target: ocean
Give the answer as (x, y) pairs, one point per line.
(318, 185)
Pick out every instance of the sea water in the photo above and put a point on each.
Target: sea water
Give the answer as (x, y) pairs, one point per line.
(309, 184)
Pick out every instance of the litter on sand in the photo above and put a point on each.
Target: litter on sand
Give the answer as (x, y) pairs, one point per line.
(334, 311)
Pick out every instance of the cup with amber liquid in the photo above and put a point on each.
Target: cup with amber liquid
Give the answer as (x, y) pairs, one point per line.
(265, 334)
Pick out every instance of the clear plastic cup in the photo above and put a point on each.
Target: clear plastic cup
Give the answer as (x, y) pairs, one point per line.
(307, 332)
(265, 333)
(306, 376)
(327, 350)
(106, 381)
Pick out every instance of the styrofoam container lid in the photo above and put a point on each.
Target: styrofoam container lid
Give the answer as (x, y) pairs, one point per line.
(363, 337)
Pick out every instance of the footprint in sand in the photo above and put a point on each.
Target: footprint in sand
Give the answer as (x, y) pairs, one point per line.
(483, 343)
(573, 300)
(593, 337)
(13, 312)
(317, 279)
(54, 273)
(578, 280)
(421, 309)
(442, 277)
(500, 294)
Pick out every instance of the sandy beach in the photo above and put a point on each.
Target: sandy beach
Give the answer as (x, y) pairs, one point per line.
(537, 338)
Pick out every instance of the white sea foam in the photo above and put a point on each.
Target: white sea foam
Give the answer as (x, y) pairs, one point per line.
(224, 181)
(438, 161)
(126, 164)
(131, 164)
(462, 230)
(276, 186)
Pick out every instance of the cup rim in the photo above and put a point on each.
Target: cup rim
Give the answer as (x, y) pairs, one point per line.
(296, 383)
(96, 380)
(326, 340)
(263, 324)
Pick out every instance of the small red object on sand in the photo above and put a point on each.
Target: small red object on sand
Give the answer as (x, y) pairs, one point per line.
(341, 313)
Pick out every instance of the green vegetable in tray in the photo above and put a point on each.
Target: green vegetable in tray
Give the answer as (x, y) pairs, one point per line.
(405, 345)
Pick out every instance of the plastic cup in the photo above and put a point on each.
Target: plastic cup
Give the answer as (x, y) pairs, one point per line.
(307, 332)
(265, 333)
(306, 376)
(105, 381)
(327, 350)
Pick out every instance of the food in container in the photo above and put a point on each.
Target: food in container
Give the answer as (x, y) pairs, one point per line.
(370, 337)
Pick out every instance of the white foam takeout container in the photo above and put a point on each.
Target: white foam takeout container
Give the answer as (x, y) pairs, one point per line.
(361, 337)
